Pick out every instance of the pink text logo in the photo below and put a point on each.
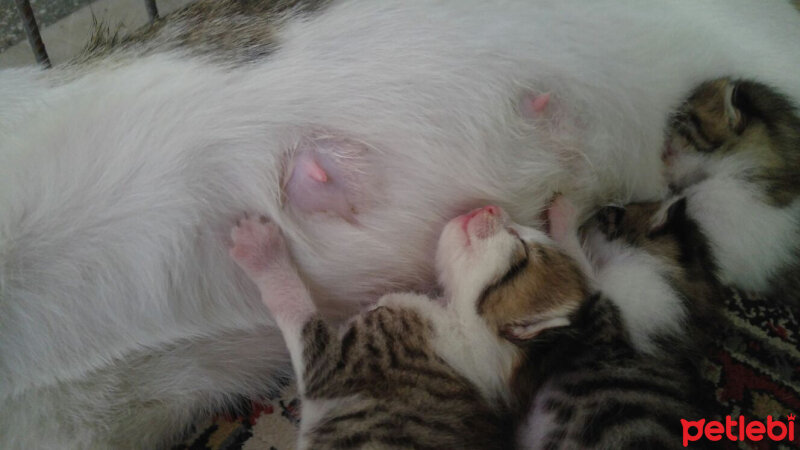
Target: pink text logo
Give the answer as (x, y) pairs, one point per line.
(738, 430)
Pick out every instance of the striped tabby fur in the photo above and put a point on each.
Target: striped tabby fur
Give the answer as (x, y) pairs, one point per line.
(593, 390)
(390, 388)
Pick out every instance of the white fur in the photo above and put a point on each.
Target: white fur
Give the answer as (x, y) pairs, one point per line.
(476, 352)
(638, 283)
(751, 240)
(118, 182)
(466, 343)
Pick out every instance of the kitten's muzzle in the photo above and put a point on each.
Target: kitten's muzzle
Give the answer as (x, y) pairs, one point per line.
(483, 222)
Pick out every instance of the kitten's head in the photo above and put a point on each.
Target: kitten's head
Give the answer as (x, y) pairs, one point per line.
(666, 231)
(513, 276)
(654, 226)
(727, 115)
(678, 253)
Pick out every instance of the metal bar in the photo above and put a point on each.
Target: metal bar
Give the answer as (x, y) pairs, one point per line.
(32, 31)
(152, 9)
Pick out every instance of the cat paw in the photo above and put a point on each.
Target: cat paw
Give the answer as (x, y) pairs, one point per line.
(257, 245)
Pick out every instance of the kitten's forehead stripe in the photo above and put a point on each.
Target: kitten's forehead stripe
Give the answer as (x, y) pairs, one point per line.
(549, 281)
(513, 271)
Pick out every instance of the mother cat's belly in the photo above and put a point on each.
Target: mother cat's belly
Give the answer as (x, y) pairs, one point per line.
(417, 106)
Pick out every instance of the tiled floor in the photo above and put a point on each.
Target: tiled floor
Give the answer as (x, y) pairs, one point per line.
(47, 12)
(66, 25)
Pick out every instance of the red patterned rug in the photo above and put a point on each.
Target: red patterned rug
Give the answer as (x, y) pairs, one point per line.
(754, 365)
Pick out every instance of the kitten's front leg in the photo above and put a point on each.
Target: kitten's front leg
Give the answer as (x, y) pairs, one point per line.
(562, 218)
(260, 250)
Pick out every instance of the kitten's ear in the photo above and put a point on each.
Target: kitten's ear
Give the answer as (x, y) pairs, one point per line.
(526, 330)
(672, 213)
(733, 110)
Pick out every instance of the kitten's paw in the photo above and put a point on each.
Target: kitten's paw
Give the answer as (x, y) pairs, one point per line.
(561, 218)
(258, 245)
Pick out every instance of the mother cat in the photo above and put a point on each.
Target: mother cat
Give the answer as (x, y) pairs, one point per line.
(121, 319)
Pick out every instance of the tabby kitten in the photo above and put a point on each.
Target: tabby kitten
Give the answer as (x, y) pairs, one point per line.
(734, 153)
(416, 372)
(586, 385)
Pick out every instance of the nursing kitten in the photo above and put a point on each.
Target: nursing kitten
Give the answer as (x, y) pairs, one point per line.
(734, 153)
(378, 385)
(586, 385)
(413, 372)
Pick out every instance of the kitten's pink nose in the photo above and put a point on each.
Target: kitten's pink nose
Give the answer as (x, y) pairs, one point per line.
(491, 210)
(482, 222)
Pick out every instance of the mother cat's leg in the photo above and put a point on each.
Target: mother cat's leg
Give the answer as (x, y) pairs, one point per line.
(148, 398)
